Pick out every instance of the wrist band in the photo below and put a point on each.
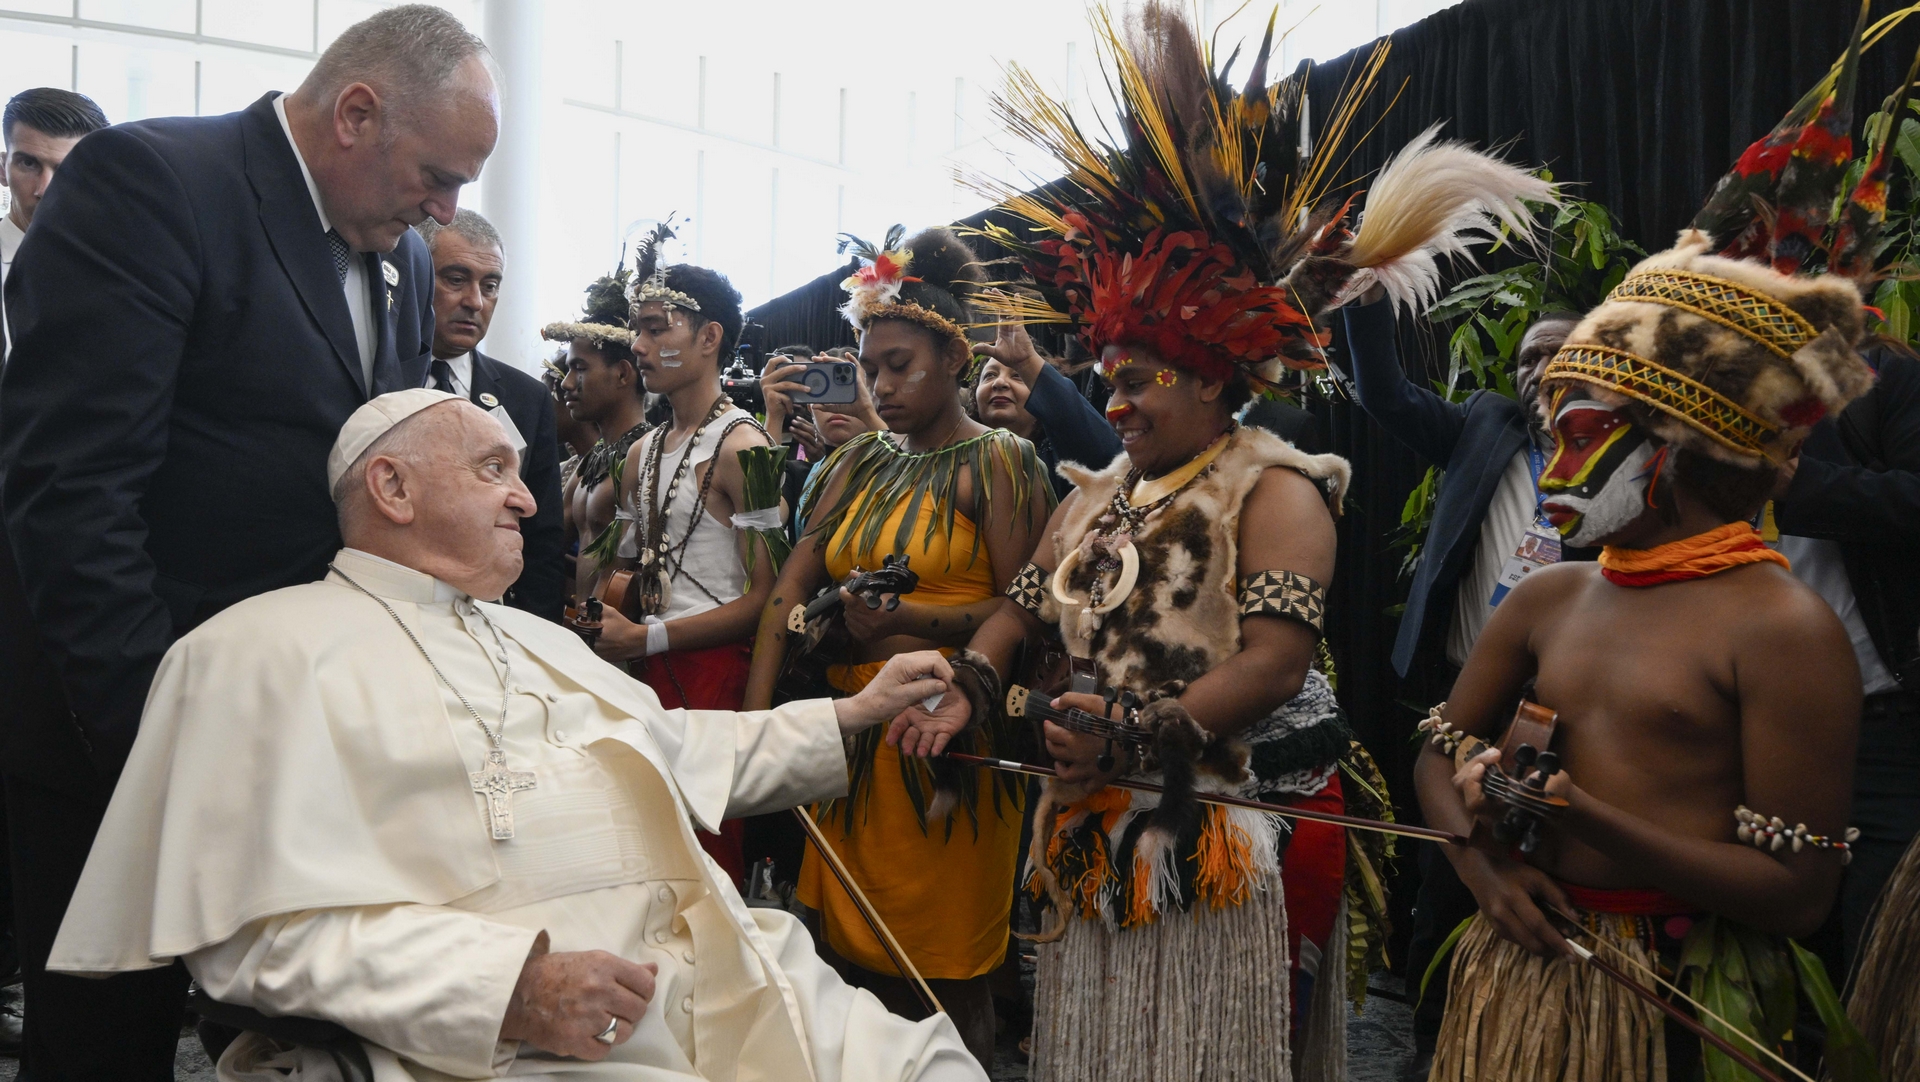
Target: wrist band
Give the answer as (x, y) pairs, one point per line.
(656, 636)
(766, 518)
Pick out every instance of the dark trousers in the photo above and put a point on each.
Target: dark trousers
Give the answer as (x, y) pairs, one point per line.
(1886, 805)
(1439, 906)
(120, 1029)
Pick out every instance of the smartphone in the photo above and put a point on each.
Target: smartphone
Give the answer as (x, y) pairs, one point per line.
(830, 383)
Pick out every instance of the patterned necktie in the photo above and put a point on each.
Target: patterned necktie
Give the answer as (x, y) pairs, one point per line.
(442, 373)
(341, 254)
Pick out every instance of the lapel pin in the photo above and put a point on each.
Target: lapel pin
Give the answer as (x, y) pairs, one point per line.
(392, 272)
(489, 401)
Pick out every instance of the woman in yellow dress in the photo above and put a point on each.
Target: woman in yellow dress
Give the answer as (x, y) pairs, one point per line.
(966, 504)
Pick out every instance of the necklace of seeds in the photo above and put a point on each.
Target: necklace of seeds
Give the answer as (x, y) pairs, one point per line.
(598, 465)
(654, 554)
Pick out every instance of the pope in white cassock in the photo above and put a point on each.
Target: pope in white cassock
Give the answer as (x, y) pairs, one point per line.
(450, 828)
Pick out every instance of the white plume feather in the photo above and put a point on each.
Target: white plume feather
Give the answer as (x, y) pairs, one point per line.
(1431, 203)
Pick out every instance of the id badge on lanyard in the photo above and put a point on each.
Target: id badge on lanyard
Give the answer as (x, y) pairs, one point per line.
(1539, 546)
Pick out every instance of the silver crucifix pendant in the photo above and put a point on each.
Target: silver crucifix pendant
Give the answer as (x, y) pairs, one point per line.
(498, 784)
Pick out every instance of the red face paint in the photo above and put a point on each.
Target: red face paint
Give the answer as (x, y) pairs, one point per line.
(1116, 414)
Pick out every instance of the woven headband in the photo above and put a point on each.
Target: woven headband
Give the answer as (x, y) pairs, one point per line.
(1734, 306)
(914, 313)
(1697, 405)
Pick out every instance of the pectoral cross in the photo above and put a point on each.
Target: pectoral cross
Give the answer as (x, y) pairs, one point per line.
(498, 784)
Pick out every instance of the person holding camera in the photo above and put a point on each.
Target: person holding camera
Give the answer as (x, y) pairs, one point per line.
(815, 428)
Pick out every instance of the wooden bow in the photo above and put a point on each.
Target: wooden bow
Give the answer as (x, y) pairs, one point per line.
(879, 927)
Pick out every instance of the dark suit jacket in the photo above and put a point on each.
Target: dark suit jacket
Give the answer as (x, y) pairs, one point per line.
(1070, 428)
(1473, 440)
(542, 586)
(182, 362)
(1858, 483)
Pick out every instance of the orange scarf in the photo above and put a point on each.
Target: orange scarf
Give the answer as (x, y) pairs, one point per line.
(1695, 557)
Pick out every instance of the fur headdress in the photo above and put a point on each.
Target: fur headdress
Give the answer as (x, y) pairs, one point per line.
(931, 279)
(1742, 336)
(1199, 233)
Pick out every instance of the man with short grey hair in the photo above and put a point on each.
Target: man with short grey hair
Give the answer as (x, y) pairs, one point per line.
(201, 303)
(469, 268)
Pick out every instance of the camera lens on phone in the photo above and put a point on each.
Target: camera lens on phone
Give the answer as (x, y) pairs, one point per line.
(842, 375)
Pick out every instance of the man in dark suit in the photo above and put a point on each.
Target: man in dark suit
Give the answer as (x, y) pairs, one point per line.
(468, 266)
(1493, 451)
(199, 306)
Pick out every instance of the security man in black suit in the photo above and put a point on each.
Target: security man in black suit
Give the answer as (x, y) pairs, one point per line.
(199, 306)
(468, 266)
(1493, 453)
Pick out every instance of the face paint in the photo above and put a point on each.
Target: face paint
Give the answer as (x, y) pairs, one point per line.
(915, 377)
(1116, 414)
(1596, 482)
(1166, 377)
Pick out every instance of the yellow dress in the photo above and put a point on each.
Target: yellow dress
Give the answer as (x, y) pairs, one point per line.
(947, 899)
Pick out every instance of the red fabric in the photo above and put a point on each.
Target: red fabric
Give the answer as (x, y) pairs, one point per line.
(1627, 903)
(714, 679)
(1313, 874)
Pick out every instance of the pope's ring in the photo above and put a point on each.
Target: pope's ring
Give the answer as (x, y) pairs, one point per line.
(605, 1036)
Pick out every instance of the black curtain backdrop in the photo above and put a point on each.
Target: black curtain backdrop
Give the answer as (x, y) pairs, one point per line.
(1640, 104)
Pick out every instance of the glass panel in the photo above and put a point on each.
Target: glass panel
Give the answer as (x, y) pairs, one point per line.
(41, 7)
(231, 80)
(159, 14)
(35, 60)
(284, 23)
(134, 84)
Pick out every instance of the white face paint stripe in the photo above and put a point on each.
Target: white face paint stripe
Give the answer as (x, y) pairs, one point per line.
(667, 353)
(915, 377)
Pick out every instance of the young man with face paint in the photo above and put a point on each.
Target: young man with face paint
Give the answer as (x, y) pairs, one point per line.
(700, 571)
(1707, 700)
(964, 503)
(601, 389)
(1488, 530)
(1019, 391)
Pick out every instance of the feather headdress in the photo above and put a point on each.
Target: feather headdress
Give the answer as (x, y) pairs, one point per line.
(650, 275)
(603, 320)
(1201, 231)
(1744, 334)
(938, 295)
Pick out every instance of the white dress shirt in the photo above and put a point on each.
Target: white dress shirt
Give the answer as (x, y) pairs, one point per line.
(462, 367)
(1508, 516)
(359, 296)
(10, 237)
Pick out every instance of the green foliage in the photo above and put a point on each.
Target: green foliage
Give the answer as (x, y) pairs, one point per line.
(1898, 294)
(1579, 262)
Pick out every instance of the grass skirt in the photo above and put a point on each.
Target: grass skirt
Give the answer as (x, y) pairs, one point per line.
(1200, 995)
(1511, 1015)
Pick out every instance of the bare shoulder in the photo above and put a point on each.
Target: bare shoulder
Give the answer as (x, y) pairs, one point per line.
(1554, 585)
(744, 436)
(1781, 612)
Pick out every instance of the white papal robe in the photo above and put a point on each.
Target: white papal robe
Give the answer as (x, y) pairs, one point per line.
(298, 823)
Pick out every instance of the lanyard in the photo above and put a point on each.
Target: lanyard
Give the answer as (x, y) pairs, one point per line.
(1537, 464)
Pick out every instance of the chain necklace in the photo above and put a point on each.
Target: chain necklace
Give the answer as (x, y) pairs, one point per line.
(655, 553)
(598, 465)
(494, 781)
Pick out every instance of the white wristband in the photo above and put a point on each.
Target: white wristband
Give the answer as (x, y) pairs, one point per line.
(767, 518)
(656, 635)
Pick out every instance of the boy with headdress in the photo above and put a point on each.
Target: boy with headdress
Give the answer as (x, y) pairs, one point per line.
(1708, 700)
(702, 565)
(1191, 940)
(601, 388)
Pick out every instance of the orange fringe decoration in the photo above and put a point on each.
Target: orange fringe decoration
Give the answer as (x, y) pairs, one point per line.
(1225, 857)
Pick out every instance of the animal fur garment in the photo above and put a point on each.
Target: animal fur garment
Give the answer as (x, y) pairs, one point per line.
(974, 677)
(1778, 364)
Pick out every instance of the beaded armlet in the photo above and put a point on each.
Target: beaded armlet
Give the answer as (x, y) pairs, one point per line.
(1285, 594)
(1028, 588)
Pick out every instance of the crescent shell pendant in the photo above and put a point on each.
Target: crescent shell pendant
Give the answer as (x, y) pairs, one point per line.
(1122, 587)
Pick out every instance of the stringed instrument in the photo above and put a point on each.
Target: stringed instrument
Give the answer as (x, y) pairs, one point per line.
(1518, 782)
(616, 591)
(1083, 678)
(817, 632)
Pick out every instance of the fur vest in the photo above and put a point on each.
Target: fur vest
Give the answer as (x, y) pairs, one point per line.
(1183, 616)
